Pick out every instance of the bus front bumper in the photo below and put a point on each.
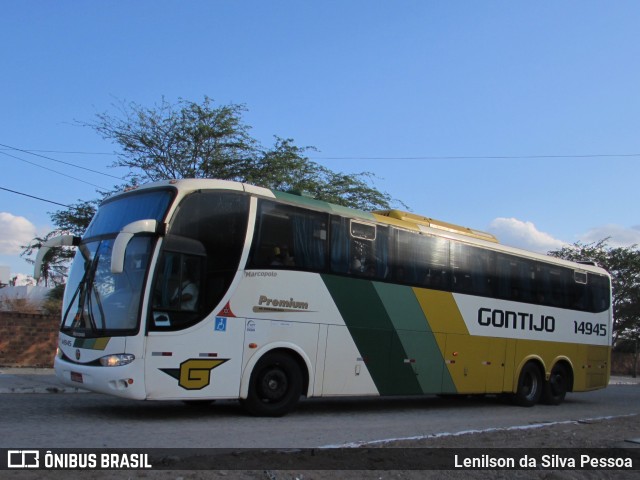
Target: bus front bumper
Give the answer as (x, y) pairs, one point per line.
(125, 381)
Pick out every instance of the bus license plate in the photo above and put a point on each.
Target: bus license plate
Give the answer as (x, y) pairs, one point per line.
(76, 377)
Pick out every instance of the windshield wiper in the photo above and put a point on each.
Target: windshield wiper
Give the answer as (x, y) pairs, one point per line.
(83, 293)
(92, 319)
(78, 292)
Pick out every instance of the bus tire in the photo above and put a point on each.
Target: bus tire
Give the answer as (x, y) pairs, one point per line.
(275, 386)
(556, 388)
(530, 386)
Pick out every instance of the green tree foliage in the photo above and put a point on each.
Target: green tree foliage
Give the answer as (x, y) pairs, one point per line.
(202, 140)
(53, 303)
(623, 264)
(73, 221)
(55, 262)
(186, 140)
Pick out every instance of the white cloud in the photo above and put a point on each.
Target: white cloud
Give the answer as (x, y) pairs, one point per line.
(14, 233)
(521, 234)
(618, 235)
(516, 233)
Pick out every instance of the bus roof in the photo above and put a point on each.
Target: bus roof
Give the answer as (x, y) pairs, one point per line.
(427, 222)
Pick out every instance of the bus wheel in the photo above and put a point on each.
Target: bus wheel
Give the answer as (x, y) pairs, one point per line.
(529, 386)
(556, 388)
(275, 386)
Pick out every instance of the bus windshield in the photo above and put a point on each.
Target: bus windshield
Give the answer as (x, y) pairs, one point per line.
(115, 214)
(98, 302)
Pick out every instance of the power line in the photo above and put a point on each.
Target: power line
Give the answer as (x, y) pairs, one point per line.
(356, 157)
(37, 198)
(52, 170)
(71, 152)
(494, 157)
(31, 152)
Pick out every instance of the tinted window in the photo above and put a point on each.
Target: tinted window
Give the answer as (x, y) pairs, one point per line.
(204, 246)
(515, 278)
(115, 214)
(473, 269)
(599, 292)
(289, 237)
(421, 260)
(219, 221)
(359, 248)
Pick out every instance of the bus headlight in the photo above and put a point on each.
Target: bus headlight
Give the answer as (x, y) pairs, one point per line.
(117, 360)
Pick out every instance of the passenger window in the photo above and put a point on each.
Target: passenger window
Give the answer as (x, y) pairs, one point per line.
(552, 286)
(422, 260)
(599, 292)
(289, 237)
(516, 277)
(578, 291)
(359, 248)
(472, 269)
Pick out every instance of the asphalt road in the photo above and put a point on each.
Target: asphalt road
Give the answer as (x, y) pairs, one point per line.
(90, 420)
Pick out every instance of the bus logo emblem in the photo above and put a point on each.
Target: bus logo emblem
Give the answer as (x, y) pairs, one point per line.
(195, 373)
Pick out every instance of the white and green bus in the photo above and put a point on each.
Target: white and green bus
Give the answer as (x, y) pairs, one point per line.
(208, 289)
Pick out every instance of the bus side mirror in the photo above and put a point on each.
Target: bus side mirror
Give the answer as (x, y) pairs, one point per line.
(125, 236)
(60, 241)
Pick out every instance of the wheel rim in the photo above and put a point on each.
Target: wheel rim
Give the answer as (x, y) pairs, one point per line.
(274, 385)
(530, 386)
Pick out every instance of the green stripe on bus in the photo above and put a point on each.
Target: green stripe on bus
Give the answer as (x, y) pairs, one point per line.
(91, 343)
(416, 337)
(374, 334)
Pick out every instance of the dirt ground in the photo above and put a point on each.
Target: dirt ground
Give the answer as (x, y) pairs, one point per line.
(388, 458)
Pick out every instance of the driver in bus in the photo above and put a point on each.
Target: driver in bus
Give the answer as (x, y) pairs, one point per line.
(186, 295)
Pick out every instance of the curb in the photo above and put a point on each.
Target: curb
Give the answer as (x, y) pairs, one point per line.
(4, 390)
(33, 380)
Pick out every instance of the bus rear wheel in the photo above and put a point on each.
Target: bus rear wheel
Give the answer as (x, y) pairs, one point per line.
(529, 386)
(556, 388)
(275, 386)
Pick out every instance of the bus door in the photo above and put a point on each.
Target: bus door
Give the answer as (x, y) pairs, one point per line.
(190, 353)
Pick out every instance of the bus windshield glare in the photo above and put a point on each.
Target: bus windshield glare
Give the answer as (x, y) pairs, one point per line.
(97, 302)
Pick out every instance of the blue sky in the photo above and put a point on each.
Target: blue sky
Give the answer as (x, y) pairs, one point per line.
(402, 89)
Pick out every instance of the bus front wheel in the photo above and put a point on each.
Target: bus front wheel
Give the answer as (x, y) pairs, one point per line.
(529, 386)
(275, 386)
